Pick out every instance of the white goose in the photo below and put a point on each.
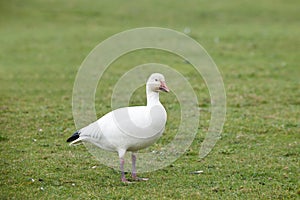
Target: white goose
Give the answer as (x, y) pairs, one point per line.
(129, 128)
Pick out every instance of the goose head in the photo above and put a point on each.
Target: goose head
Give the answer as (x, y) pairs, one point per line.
(156, 83)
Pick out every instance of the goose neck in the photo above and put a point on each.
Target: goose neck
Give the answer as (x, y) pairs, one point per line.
(152, 98)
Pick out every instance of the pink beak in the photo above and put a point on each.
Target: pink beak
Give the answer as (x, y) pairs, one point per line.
(163, 87)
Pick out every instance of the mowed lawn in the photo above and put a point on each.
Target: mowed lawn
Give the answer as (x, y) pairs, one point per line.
(255, 44)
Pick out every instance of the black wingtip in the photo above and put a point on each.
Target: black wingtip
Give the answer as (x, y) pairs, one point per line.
(73, 137)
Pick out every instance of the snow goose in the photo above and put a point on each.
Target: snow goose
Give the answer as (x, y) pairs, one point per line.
(129, 128)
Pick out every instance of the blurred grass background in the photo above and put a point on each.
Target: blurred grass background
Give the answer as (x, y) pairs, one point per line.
(255, 44)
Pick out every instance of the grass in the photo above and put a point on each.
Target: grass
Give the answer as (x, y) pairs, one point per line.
(255, 45)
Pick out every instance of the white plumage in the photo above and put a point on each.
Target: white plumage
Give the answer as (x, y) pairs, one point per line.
(129, 128)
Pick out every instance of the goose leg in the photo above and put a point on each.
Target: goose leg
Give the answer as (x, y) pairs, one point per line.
(133, 159)
(123, 178)
(134, 176)
(122, 161)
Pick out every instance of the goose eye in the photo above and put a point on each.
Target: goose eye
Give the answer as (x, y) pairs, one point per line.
(156, 79)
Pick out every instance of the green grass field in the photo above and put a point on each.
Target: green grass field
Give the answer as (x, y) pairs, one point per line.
(255, 44)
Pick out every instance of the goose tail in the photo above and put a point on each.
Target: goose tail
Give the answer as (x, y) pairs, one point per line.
(74, 138)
